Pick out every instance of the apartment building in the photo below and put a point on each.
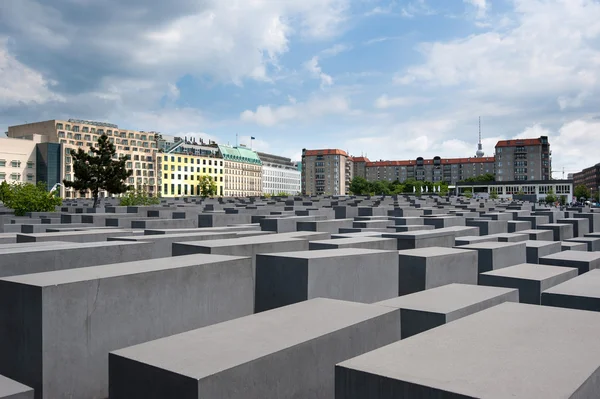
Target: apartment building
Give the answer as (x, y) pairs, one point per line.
(279, 175)
(72, 134)
(449, 170)
(242, 171)
(589, 177)
(523, 159)
(18, 159)
(327, 171)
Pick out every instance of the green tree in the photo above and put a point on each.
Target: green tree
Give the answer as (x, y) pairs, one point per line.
(468, 193)
(581, 191)
(138, 197)
(597, 196)
(4, 191)
(550, 197)
(97, 170)
(359, 186)
(27, 197)
(208, 187)
(487, 177)
(494, 194)
(283, 194)
(563, 200)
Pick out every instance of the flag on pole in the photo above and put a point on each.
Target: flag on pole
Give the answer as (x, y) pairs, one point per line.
(252, 138)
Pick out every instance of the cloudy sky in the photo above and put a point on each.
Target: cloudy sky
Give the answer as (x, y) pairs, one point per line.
(389, 79)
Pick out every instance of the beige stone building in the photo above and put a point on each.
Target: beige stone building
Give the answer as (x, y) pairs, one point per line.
(327, 172)
(18, 159)
(72, 134)
(243, 171)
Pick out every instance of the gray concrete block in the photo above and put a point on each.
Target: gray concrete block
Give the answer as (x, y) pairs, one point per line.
(10, 389)
(461, 231)
(581, 292)
(57, 328)
(164, 224)
(581, 226)
(434, 307)
(288, 352)
(371, 224)
(593, 221)
(560, 231)
(359, 275)
(78, 236)
(536, 249)
(408, 221)
(386, 244)
(535, 220)
(286, 224)
(510, 237)
(487, 227)
(425, 268)
(222, 219)
(530, 279)
(485, 355)
(584, 261)
(330, 226)
(422, 239)
(8, 238)
(26, 259)
(515, 226)
(592, 243)
(496, 255)
(410, 227)
(541, 235)
(466, 240)
(444, 221)
(573, 246)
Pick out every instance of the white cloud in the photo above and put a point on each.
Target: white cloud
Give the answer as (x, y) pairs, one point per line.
(552, 50)
(335, 50)
(313, 67)
(20, 84)
(480, 5)
(267, 115)
(384, 101)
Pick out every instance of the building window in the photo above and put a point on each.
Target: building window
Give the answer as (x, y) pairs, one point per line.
(15, 164)
(2, 162)
(29, 177)
(2, 175)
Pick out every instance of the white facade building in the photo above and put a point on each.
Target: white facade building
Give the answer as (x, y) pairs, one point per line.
(17, 159)
(279, 175)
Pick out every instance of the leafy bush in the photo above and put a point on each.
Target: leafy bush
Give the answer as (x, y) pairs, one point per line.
(138, 197)
(551, 197)
(27, 197)
(494, 194)
(468, 193)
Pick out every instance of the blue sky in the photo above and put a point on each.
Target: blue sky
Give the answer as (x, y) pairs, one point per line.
(389, 79)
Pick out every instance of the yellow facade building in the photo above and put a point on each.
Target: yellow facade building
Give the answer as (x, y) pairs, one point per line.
(181, 173)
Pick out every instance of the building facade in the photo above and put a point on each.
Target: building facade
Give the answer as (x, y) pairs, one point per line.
(327, 172)
(18, 159)
(449, 170)
(279, 175)
(242, 171)
(589, 177)
(72, 134)
(507, 189)
(181, 174)
(523, 159)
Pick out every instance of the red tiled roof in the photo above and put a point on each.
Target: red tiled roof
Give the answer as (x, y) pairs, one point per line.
(443, 161)
(360, 159)
(325, 152)
(518, 142)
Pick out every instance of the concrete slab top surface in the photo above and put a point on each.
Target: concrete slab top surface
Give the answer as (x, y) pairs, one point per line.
(64, 245)
(352, 240)
(417, 234)
(574, 255)
(508, 351)
(209, 350)
(433, 251)
(80, 233)
(445, 299)
(530, 271)
(507, 235)
(587, 285)
(554, 225)
(229, 242)
(67, 276)
(583, 239)
(8, 387)
(492, 245)
(540, 243)
(328, 253)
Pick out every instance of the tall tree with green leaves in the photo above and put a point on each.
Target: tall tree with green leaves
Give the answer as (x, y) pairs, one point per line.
(208, 187)
(97, 170)
(581, 191)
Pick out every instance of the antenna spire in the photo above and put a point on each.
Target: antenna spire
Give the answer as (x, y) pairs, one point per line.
(479, 153)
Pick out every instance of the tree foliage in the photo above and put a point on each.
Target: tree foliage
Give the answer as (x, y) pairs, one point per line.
(468, 193)
(138, 197)
(581, 191)
(551, 197)
(208, 187)
(97, 170)
(494, 194)
(487, 177)
(28, 197)
(360, 186)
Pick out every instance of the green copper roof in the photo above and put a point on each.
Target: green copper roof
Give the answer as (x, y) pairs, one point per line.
(239, 154)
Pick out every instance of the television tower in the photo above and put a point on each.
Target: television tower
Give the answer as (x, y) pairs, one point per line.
(479, 153)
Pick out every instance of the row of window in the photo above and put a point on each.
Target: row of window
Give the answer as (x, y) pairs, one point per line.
(191, 160)
(16, 164)
(185, 177)
(185, 169)
(16, 176)
(109, 132)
